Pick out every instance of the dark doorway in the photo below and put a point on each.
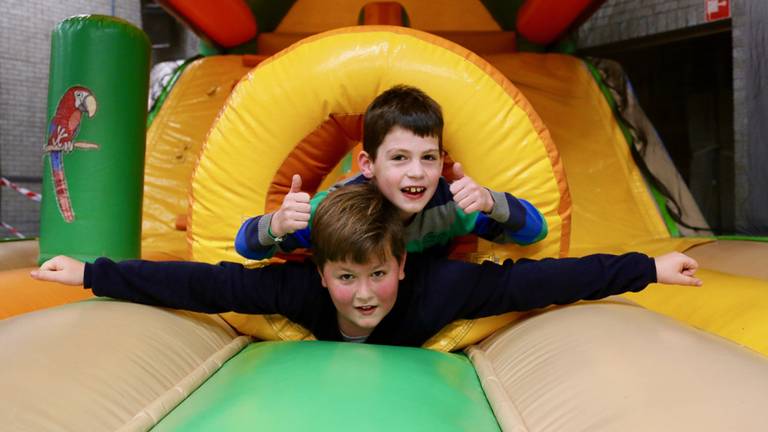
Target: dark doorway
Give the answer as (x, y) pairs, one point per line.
(684, 82)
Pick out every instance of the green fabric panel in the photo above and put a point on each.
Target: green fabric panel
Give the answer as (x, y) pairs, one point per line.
(109, 57)
(346, 164)
(504, 12)
(336, 386)
(744, 238)
(269, 13)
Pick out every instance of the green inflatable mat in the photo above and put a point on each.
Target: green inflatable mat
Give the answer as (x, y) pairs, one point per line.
(327, 386)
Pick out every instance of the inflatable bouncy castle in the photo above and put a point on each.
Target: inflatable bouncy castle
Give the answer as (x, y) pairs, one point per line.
(285, 94)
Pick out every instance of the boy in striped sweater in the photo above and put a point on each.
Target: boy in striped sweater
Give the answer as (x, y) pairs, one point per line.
(403, 156)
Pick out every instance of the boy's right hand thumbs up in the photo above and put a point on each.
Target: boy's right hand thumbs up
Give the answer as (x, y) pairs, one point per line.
(295, 184)
(294, 212)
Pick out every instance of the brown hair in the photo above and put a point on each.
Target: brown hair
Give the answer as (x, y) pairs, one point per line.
(356, 223)
(401, 106)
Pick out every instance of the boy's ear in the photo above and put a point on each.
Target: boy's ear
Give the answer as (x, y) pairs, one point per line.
(365, 162)
(322, 279)
(401, 270)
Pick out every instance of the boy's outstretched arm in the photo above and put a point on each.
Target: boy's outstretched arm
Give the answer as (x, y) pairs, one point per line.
(503, 218)
(491, 289)
(199, 287)
(286, 229)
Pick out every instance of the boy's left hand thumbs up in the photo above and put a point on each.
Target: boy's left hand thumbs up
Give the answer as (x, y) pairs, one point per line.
(458, 171)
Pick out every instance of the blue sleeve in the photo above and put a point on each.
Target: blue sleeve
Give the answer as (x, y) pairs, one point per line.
(512, 220)
(254, 242)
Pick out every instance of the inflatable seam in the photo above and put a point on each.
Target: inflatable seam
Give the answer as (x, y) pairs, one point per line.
(160, 407)
(507, 414)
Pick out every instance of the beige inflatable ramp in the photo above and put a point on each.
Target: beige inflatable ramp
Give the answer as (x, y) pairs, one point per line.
(103, 365)
(618, 367)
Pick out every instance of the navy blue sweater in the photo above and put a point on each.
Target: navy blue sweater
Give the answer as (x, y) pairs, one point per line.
(434, 292)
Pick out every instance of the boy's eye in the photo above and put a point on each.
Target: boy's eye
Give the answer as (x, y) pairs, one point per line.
(430, 157)
(346, 277)
(378, 274)
(398, 157)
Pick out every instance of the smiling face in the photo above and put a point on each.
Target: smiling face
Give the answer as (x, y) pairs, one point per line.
(406, 169)
(362, 293)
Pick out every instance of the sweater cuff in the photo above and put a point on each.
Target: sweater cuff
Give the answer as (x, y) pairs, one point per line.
(263, 230)
(500, 210)
(649, 272)
(87, 276)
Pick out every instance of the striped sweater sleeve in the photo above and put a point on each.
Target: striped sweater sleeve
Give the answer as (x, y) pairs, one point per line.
(512, 220)
(254, 241)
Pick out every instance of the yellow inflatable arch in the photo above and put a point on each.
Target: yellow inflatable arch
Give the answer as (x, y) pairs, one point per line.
(300, 111)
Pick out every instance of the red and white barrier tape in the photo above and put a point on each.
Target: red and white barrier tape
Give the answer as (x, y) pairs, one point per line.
(13, 230)
(34, 196)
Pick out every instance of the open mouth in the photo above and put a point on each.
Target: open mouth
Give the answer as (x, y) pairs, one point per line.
(366, 310)
(413, 190)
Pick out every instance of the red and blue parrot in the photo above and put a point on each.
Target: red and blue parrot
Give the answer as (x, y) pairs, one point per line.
(62, 132)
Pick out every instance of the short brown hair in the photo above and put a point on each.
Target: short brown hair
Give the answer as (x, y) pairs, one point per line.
(356, 223)
(401, 106)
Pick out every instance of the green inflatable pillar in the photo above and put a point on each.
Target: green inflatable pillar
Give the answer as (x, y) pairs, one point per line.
(93, 155)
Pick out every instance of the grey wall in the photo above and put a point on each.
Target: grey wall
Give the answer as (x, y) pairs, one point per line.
(25, 32)
(620, 20)
(750, 63)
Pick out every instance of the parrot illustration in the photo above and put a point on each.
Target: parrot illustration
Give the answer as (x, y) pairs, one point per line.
(62, 132)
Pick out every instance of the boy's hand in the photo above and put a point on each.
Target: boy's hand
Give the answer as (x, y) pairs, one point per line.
(60, 269)
(294, 212)
(469, 195)
(677, 269)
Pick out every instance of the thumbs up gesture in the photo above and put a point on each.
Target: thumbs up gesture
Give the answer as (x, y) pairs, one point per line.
(469, 195)
(294, 212)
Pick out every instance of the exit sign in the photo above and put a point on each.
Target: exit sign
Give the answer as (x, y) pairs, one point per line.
(718, 9)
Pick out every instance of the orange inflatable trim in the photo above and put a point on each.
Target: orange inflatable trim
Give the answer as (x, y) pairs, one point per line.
(227, 22)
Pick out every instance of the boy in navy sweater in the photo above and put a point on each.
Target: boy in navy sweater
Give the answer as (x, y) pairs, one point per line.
(403, 155)
(361, 287)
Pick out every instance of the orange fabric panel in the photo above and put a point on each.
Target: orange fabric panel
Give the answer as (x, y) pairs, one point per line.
(544, 21)
(22, 294)
(316, 155)
(390, 13)
(443, 15)
(227, 22)
(483, 42)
